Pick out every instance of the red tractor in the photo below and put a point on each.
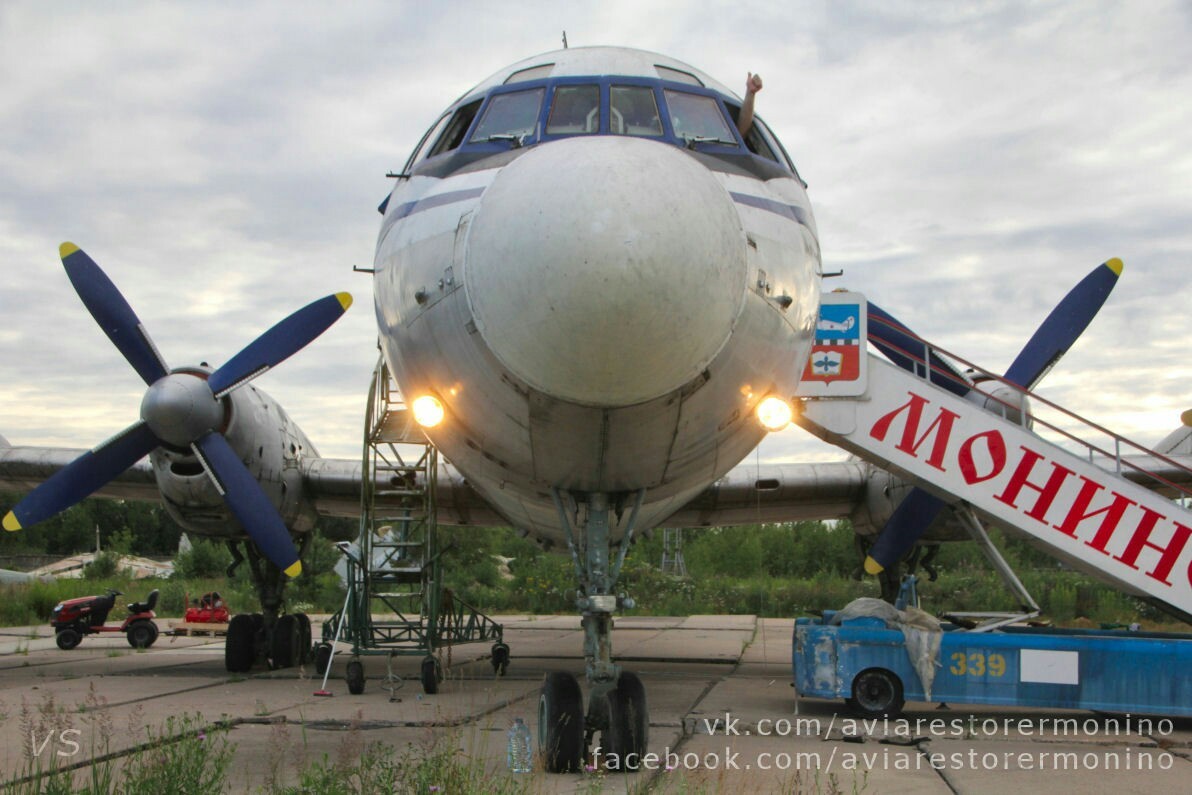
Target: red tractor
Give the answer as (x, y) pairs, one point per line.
(88, 615)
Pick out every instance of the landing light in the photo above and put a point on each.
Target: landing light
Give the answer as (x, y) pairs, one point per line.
(428, 411)
(774, 413)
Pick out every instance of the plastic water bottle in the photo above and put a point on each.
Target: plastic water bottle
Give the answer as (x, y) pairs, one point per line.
(519, 757)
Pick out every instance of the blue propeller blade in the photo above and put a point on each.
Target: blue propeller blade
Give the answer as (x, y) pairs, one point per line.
(248, 502)
(82, 477)
(1050, 341)
(905, 526)
(909, 352)
(1064, 325)
(112, 313)
(279, 343)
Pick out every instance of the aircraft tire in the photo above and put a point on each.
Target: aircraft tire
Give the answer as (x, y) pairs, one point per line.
(305, 648)
(284, 646)
(628, 723)
(561, 723)
(240, 644)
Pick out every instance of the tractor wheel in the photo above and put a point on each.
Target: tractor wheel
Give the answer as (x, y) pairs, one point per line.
(141, 634)
(68, 637)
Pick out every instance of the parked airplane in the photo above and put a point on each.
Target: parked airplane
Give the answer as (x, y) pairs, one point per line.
(596, 295)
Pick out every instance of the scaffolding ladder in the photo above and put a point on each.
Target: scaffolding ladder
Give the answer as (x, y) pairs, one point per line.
(397, 603)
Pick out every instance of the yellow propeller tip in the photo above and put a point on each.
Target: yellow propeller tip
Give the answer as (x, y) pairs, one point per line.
(11, 523)
(1186, 418)
(345, 300)
(873, 567)
(1115, 265)
(66, 249)
(295, 569)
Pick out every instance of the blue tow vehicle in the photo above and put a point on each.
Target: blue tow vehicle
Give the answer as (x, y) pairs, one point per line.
(865, 661)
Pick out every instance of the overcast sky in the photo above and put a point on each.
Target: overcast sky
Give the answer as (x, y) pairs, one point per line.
(968, 163)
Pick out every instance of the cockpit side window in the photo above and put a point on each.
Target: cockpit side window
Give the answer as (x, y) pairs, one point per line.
(634, 111)
(425, 145)
(453, 136)
(574, 110)
(755, 139)
(513, 115)
(698, 118)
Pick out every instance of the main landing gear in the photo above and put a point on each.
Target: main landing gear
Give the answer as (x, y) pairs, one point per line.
(617, 708)
(269, 637)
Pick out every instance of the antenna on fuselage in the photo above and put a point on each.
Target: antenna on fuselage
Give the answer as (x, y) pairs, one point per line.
(564, 40)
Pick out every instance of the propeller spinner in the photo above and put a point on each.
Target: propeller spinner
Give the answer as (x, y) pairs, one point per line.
(1066, 322)
(182, 408)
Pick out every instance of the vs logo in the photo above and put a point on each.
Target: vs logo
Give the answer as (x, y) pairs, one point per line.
(64, 744)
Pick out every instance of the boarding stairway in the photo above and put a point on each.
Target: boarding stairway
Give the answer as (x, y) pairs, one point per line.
(397, 603)
(1109, 507)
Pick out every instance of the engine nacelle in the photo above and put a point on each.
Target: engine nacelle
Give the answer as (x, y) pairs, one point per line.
(1002, 399)
(271, 447)
(883, 493)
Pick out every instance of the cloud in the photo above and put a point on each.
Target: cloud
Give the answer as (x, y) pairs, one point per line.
(968, 164)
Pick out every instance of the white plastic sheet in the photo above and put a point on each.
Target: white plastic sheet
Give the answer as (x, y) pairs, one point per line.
(920, 629)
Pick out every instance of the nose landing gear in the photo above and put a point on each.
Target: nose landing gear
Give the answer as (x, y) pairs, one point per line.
(617, 709)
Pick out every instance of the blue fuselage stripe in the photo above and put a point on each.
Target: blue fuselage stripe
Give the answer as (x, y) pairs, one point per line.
(791, 211)
(437, 200)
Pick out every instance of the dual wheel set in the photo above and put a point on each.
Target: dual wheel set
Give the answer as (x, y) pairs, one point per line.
(430, 673)
(289, 645)
(618, 713)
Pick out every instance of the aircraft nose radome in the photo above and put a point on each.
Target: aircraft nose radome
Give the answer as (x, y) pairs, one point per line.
(605, 271)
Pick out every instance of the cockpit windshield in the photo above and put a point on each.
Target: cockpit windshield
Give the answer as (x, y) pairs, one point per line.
(634, 111)
(697, 118)
(543, 108)
(575, 110)
(513, 116)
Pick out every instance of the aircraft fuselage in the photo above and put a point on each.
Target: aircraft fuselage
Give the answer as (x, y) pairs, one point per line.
(599, 279)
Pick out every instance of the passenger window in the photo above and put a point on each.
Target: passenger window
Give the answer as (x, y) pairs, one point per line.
(513, 115)
(453, 136)
(634, 111)
(575, 109)
(697, 118)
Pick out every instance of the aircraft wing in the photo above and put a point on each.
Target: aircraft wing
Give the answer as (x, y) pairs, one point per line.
(334, 485)
(753, 493)
(24, 468)
(748, 494)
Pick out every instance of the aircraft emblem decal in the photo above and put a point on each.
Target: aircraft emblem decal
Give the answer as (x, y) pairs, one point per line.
(837, 363)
